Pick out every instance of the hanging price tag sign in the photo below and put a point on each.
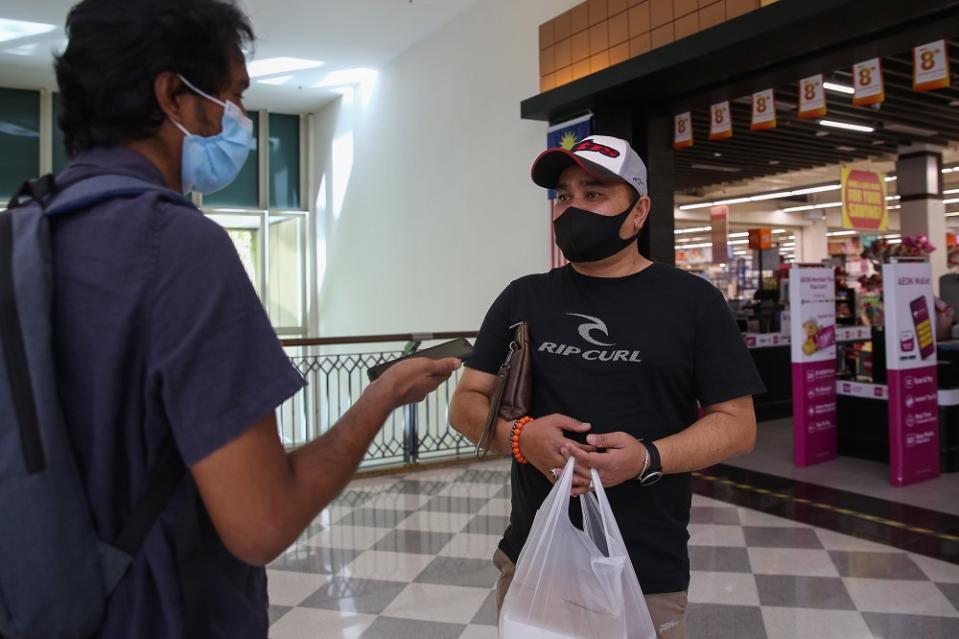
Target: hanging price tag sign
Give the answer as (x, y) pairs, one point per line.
(930, 66)
(682, 131)
(868, 83)
(720, 121)
(812, 97)
(764, 111)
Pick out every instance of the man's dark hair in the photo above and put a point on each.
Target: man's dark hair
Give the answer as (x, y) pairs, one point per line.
(116, 49)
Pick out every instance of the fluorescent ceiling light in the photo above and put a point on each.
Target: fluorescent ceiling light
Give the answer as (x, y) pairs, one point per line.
(895, 241)
(838, 88)
(692, 246)
(892, 197)
(742, 234)
(779, 230)
(910, 130)
(952, 200)
(715, 167)
(847, 149)
(893, 207)
(16, 29)
(694, 229)
(282, 64)
(277, 80)
(816, 189)
(839, 233)
(951, 214)
(788, 246)
(698, 205)
(809, 207)
(950, 170)
(848, 126)
(735, 200)
(890, 178)
(739, 242)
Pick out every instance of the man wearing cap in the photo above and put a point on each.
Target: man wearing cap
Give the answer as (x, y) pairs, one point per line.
(623, 348)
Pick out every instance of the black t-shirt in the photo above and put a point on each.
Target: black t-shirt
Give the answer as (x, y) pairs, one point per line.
(630, 354)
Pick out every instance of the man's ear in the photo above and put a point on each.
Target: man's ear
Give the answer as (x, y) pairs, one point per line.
(168, 91)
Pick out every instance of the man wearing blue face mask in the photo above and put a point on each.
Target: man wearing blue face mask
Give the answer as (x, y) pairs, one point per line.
(623, 348)
(160, 336)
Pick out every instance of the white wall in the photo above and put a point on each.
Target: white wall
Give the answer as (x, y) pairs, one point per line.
(425, 209)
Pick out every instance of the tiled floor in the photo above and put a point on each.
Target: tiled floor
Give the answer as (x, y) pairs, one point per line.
(408, 557)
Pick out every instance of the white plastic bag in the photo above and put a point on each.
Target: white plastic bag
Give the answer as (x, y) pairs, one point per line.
(571, 583)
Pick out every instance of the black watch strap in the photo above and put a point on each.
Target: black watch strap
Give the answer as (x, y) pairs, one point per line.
(654, 472)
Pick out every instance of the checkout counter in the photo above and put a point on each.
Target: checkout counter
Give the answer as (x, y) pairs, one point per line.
(862, 396)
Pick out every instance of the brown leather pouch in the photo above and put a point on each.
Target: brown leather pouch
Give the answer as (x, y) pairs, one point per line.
(513, 395)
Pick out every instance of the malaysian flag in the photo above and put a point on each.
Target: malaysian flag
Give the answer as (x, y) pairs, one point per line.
(565, 134)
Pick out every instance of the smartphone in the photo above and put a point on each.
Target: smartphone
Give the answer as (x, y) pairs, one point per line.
(458, 348)
(920, 320)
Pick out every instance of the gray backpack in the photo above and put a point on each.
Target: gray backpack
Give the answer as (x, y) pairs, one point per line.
(55, 573)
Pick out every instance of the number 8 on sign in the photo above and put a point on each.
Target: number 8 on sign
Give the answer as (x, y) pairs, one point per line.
(720, 122)
(764, 111)
(930, 66)
(868, 83)
(812, 98)
(682, 131)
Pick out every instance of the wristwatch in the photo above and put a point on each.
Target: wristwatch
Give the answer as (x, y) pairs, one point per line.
(654, 470)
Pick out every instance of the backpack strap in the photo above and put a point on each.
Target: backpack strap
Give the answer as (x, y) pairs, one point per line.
(15, 356)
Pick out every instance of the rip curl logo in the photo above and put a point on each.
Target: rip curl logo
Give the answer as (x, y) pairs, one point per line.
(594, 324)
(589, 145)
(591, 331)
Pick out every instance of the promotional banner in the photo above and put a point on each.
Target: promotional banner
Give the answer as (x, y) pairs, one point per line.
(867, 82)
(719, 221)
(911, 372)
(812, 314)
(682, 131)
(930, 66)
(764, 111)
(812, 97)
(864, 200)
(566, 135)
(760, 239)
(720, 121)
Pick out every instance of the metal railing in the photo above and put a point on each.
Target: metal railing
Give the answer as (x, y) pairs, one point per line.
(336, 373)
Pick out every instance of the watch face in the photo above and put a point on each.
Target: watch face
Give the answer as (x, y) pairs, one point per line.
(651, 478)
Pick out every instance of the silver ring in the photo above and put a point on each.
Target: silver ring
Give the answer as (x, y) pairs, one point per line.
(552, 471)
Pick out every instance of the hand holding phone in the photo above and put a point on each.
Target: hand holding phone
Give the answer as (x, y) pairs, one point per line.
(458, 348)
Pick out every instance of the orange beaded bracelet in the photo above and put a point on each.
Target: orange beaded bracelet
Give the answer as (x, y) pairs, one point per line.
(514, 437)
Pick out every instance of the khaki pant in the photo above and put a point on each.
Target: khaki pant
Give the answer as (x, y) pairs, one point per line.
(667, 610)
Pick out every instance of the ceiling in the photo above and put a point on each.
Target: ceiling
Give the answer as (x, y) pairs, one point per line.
(351, 38)
(768, 159)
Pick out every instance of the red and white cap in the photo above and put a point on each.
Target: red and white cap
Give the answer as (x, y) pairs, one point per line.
(606, 158)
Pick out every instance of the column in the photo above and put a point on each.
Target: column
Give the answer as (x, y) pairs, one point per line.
(650, 134)
(919, 185)
(813, 242)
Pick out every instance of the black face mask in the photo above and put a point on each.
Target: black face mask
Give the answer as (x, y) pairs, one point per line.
(589, 237)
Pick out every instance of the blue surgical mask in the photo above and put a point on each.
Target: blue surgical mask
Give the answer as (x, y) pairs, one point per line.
(212, 163)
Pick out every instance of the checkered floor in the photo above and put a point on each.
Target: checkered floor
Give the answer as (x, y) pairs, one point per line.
(409, 557)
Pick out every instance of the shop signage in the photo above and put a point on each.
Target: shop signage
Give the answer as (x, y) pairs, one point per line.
(867, 82)
(911, 370)
(764, 111)
(812, 314)
(812, 97)
(760, 239)
(682, 131)
(864, 200)
(719, 221)
(720, 121)
(930, 66)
